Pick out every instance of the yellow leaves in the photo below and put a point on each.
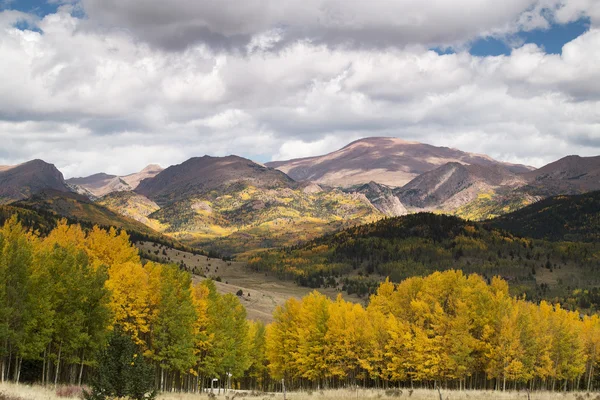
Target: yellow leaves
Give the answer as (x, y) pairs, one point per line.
(443, 326)
(68, 236)
(470, 229)
(131, 301)
(111, 248)
(469, 243)
(349, 338)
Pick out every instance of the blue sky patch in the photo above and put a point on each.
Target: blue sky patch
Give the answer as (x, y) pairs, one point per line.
(37, 7)
(552, 40)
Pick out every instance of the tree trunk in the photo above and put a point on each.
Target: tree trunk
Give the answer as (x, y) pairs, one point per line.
(9, 363)
(44, 369)
(162, 379)
(591, 373)
(16, 368)
(81, 368)
(57, 365)
(283, 389)
(48, 366)
(19, 363)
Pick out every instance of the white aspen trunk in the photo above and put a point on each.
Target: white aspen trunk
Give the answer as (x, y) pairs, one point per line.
(283, 389)
(20, 363)
(57, 365)
(9, 364)
(81, 368)
(162, 379)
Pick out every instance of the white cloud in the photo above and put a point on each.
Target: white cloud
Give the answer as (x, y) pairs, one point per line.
(91, 100)
(233, 23)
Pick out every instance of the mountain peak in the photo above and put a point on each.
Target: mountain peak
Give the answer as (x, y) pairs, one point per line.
(385, 160)
(152, 167)
(202, 174)
(378, 141)
(28, 178)
(570, 175)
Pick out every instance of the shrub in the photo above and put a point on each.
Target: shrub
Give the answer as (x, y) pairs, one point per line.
(122, 372)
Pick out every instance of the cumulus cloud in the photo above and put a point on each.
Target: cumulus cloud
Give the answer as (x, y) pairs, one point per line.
(125, 87)
(233, 24)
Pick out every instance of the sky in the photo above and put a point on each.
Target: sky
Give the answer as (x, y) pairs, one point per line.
(114, 85)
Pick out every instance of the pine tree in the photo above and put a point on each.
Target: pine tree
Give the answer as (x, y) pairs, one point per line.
(122, 372)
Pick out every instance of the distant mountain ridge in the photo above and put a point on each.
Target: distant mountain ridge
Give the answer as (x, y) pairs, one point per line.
(233, 204)
(569, 175)
(101, 184)
(389, 161)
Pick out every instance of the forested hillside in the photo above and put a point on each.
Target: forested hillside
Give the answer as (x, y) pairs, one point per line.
(355, 260)
(570, 218)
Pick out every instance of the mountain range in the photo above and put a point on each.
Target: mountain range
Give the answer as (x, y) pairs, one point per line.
(388, 161)
(233, 205)
(101, 184)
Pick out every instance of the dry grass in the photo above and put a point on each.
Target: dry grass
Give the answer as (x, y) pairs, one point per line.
(26, 392)
(262, 293)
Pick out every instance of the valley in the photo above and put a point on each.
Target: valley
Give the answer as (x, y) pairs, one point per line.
(261, 292)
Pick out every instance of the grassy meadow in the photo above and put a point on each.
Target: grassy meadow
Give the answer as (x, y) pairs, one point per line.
(10, 391)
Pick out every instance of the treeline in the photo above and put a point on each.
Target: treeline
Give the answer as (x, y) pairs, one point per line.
(44, 221)
(356, 259)
(446, 329)
(63, 295)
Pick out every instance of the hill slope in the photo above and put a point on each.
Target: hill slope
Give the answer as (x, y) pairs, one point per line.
(572, 218)
(569, 175)
(389, 161)
(80, 208)
(357, 259)
(453, 185)
(23, 180)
